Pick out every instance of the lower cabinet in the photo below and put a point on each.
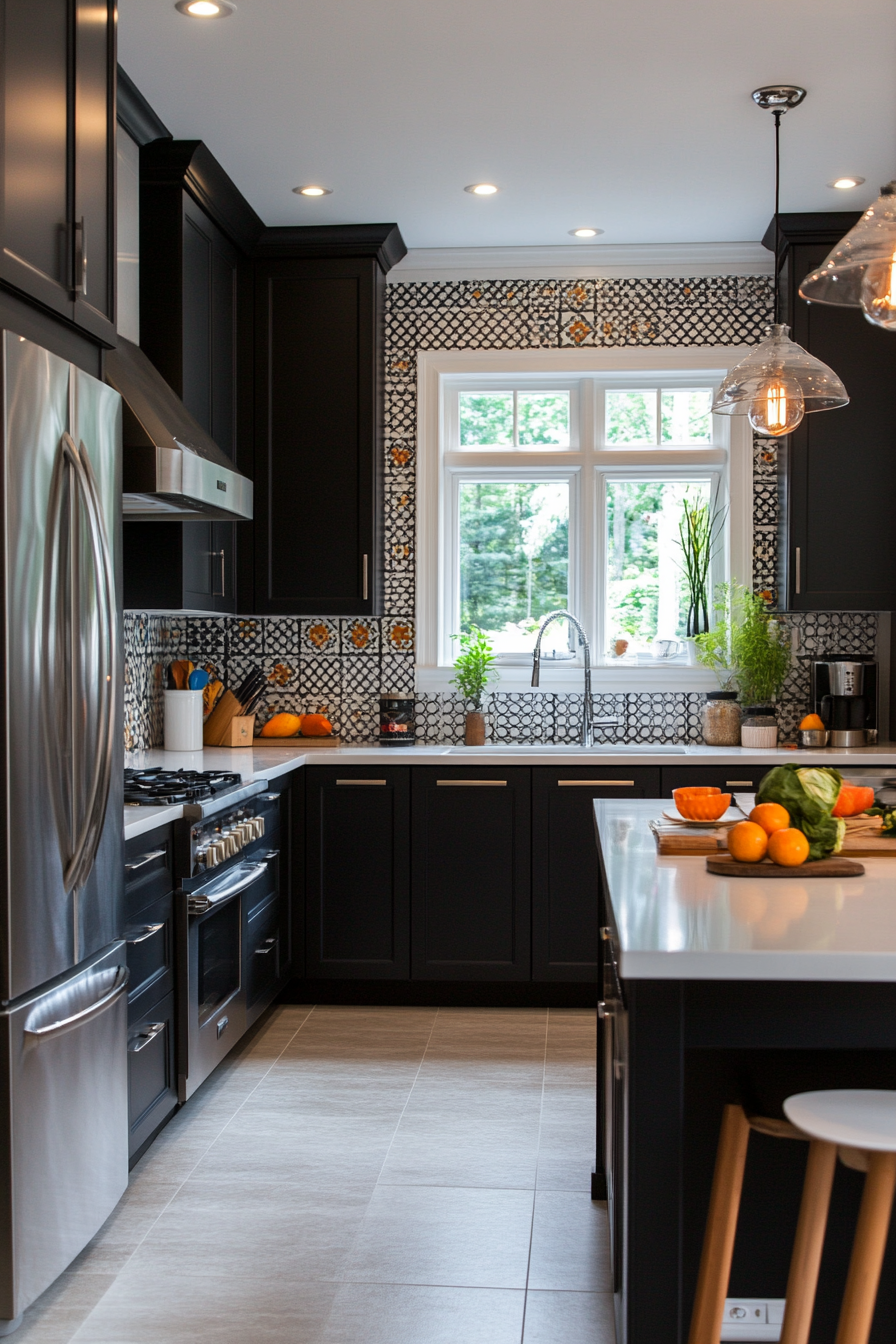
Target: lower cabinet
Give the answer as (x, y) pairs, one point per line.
(357, 911)
(564, 863)
(470, 874)
(152, 1072)
(728, 778)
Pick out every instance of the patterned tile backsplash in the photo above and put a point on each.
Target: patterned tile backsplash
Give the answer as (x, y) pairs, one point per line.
(341, 665)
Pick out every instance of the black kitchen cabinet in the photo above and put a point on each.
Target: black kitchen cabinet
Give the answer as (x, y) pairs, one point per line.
(565, 872)
(837, 471)
(728, 778)
(189, 310)
(152, 1034)
(57, 185)
(470, 873)
(357, 873)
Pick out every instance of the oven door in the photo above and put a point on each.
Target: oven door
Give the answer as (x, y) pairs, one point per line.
(214, 991)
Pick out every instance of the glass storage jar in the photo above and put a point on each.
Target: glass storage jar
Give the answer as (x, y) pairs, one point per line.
(759, 727)
(721, 719)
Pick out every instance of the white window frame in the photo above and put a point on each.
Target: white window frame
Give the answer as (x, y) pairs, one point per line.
(587, 468)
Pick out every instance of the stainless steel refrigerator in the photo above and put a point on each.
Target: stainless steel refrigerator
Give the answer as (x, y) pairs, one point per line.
(63, 976)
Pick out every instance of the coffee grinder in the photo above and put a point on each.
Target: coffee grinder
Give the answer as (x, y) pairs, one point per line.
(844, 694)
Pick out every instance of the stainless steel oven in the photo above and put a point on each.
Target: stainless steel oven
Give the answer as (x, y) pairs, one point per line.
(227, 874)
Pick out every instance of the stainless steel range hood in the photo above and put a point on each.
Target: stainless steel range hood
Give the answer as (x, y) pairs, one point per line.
(172, 468)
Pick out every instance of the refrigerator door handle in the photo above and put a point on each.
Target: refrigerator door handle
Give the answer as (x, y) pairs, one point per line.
(59, 1028)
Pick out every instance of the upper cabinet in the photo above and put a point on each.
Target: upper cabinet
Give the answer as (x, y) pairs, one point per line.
(837, 471)
(319, 297)
(57, 178)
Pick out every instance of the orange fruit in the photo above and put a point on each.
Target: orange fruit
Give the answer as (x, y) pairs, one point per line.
(771, 817)
(281, 725)
(812, 721)
(789, 848)
(747, 842)
(316, 725)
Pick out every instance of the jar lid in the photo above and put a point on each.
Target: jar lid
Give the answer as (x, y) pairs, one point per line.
(395, 695)
(767, 710)
(721, 695)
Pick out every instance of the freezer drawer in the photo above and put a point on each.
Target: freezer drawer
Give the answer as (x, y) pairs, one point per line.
(64, 1123)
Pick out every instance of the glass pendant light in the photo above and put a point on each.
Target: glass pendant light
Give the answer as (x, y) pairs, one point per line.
(861, 270)
(778, 382)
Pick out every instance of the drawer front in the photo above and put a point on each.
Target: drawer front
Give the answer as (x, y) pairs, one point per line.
(148, 869)
(728, 778)
(150, 943)
(262, 943)
(152, 1076)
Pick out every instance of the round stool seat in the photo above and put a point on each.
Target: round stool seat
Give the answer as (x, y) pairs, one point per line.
(862, 1118)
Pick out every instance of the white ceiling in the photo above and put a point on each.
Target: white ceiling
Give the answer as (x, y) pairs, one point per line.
(634, 117)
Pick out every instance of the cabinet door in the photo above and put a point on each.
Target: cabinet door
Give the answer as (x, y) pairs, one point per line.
(35, 227)
(565, 871)
(470, 866)
(152, 1072)
(356, 846)
(729, 778)
(838, 472)
(94, 177)
(318, 411)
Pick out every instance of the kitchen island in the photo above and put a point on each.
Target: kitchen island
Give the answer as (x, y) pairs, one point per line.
(718, 990)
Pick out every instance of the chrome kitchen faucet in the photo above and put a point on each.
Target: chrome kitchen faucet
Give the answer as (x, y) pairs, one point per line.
(588, 720)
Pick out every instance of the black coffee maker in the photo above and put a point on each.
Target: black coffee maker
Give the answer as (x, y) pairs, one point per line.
(844, 694)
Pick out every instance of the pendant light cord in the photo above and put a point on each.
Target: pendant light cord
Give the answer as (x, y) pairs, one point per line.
(776, 113)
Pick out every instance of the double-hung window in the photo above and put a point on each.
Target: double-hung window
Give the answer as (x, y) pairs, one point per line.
(544, 488)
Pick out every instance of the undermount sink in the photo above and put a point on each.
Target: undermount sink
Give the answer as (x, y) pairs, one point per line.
(561, 748)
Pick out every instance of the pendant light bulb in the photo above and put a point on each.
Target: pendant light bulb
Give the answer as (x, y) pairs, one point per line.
(778, 407)
(879, 293)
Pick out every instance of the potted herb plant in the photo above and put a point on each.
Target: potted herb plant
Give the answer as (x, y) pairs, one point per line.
(474, 667)
(748, 647)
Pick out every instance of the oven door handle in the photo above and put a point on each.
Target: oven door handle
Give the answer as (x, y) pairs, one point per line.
(199, 902)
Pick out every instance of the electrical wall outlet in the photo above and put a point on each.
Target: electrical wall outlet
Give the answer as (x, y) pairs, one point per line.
(753, 1318)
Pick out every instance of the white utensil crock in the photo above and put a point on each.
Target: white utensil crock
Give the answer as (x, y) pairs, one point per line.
(183, 720)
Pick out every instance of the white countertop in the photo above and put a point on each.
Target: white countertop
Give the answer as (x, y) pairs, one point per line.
(676, 921)
(271, 762)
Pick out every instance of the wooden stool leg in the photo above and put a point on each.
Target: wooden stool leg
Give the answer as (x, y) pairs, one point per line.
(807, 1247)
(721, 1225)
(857, 1310)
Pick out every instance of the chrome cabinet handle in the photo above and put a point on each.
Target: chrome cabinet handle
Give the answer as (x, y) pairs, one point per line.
(221, 555)
(472, 783)
(266, 951)
(798, 557)
(65, 1024)
(79, 278)
(595, 783)
(147, 932)
(364, 578)
(146, 1037)
(144, 859)
(351, 783)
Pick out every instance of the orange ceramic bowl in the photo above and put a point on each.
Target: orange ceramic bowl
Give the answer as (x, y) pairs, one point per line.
(702, 804)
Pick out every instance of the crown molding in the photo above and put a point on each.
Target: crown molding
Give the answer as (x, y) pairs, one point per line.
(600, 261)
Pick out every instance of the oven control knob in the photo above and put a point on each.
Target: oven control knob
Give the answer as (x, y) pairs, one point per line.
(219, 853)
(228, 839)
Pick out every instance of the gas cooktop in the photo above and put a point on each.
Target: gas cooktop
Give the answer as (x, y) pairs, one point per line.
(158, 786)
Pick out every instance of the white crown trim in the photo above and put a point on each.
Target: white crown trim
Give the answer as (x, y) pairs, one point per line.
(571, 261)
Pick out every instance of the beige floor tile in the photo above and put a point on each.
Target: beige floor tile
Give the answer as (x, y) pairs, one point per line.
(455, 1237)
(565, 1173)
(189, 1309)
(569, 1318)
(272, 1145)
(368, 1313)
(58, 1313)
(413, 1161)
(570, 1243)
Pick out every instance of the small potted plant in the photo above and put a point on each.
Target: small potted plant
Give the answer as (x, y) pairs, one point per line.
(474, 666)
(751, 647)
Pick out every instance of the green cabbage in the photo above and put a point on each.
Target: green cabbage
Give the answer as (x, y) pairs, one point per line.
(809, 794)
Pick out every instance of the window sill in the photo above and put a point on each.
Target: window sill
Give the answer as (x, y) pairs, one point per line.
(568, 680)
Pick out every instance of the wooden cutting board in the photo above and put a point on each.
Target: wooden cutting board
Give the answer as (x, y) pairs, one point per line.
(836, 866)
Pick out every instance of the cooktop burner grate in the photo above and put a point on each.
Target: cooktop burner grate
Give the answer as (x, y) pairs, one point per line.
(176, 786)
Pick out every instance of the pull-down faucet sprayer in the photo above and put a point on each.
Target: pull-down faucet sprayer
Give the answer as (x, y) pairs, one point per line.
(588, 721)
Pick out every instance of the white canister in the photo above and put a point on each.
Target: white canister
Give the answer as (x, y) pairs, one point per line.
(762, 738)
(183, 720)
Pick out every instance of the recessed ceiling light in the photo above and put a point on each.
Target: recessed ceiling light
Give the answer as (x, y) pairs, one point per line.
(585, 232)
(481, 189)
(206, 9)
(845, 183)
(313, 191)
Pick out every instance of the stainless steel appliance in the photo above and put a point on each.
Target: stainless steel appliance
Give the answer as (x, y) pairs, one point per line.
(63, 969)
(229, 920)
(172, 467)
(844, 694)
